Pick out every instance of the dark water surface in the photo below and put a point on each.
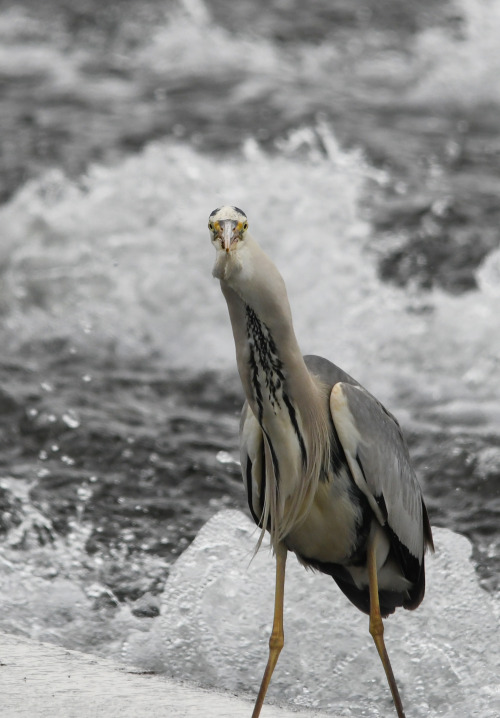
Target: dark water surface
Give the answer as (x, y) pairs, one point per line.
(131, 452)
(144, 457)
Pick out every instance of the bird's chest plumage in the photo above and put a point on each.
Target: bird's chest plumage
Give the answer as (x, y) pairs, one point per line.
(330, 531)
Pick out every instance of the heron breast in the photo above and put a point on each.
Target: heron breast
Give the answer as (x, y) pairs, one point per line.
(329, 532)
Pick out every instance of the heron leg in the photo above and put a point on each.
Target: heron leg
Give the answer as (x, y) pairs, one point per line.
(377, 627)
(277, 639)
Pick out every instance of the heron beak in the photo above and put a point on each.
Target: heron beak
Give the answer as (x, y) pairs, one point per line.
(228, 226)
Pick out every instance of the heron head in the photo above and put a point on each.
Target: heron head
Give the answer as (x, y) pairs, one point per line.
(227, 227)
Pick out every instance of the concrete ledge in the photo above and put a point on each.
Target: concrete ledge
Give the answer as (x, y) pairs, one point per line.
(39, 680)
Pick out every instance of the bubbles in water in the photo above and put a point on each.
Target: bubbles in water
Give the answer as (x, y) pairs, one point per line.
(58, 592)
(84, 492)
(224, 457)
(71, 419)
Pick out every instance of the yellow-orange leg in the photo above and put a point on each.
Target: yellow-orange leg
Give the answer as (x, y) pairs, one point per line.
(377, 626)
(277, 639)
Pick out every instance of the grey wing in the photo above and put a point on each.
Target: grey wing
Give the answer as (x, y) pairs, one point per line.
(326, 371)
(380, 464)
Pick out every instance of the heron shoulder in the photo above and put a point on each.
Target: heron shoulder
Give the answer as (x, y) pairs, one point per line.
(379, 461)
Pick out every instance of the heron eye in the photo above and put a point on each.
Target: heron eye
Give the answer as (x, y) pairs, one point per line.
(245, 226)
(210, 226)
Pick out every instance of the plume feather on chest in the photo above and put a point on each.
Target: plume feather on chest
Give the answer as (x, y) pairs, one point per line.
(274, 407)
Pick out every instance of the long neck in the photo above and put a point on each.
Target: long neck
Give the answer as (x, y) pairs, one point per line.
(270, 363)
(289, 404)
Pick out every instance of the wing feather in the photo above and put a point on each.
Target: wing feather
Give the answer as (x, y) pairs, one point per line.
(378, 457)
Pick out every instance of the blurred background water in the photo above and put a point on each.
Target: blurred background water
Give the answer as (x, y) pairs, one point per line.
(363, 142)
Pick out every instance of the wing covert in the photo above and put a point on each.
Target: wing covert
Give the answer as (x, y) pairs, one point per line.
(380, 464)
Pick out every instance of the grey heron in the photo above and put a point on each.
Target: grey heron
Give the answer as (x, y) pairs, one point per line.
(326, 467)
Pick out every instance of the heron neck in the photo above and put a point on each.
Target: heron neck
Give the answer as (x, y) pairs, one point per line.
(270, 363)
(289, 405)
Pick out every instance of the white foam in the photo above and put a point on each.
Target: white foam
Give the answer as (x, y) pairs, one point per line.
(126, 260)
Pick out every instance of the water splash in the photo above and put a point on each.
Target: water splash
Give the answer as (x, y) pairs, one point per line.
(461, 68)
(126, 263)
